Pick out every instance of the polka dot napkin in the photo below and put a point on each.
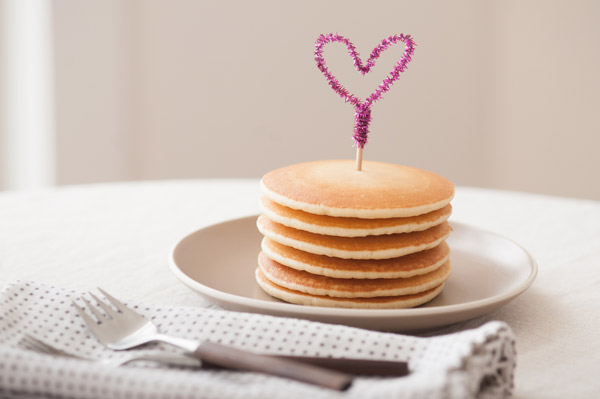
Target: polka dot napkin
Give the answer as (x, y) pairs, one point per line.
(476, 363)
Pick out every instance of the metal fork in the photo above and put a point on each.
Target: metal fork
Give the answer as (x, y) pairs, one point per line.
(34, 344)
(125, 329)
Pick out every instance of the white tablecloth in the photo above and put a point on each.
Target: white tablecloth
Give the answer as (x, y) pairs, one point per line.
(118, 236)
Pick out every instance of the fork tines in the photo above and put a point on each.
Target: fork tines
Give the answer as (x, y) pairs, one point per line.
(109, 312)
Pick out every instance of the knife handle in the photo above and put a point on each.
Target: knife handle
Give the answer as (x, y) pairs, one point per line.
(236, 359)
(365, 367)
(381, 368)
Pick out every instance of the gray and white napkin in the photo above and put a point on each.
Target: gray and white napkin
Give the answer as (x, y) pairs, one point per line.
(477, 363)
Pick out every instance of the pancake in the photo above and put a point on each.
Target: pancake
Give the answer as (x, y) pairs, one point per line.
(297, 280)
(403, 266)
(386, 302)
(336, 188)
(351, 227)
(370, 247)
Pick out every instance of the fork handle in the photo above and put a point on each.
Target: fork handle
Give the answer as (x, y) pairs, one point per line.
(232, 358)
(186, 344)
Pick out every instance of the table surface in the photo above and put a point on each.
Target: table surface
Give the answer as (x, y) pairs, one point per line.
(119, 236)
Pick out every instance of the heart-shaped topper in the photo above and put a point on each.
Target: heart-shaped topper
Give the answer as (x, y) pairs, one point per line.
(362, 117)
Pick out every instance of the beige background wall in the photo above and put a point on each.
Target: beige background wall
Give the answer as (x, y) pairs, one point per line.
(499, 94)
(2, 104)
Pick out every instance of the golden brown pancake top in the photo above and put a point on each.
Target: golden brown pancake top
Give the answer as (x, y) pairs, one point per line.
(336, 188)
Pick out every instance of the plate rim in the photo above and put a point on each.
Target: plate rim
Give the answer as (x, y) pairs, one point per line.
(296, 309)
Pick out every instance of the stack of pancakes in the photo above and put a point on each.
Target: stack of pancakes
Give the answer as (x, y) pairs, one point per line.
(335, 236)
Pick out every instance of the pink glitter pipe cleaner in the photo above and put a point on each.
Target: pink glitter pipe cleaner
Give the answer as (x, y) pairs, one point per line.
(362, 117)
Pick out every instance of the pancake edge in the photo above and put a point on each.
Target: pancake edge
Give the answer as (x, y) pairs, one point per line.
(382, 213)
(346, 232)
(310, 300)
(338, 253)
(358, 294)
(324, 271)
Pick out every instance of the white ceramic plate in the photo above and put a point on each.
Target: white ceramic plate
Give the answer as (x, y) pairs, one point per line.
(488, 271)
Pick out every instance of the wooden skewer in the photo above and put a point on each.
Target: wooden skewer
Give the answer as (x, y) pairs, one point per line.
(359, 156)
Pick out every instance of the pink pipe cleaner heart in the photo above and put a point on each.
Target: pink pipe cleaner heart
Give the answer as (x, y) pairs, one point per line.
(362, 116)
